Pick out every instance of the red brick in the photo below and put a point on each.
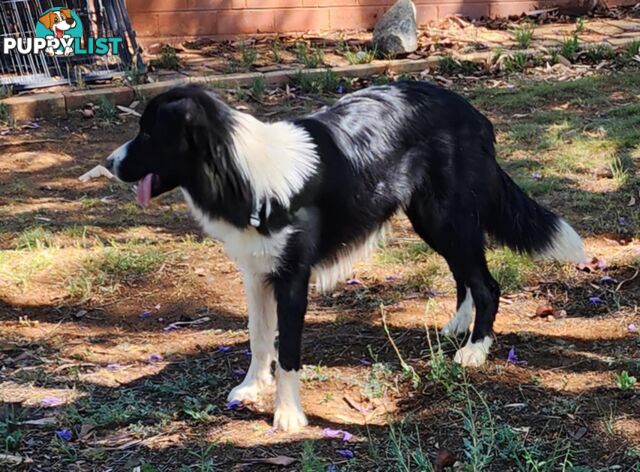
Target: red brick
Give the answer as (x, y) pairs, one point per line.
(273, 3)
(503, 9)
(328, 3)
(117, 96)
(156, 5)
(245, 22)
(302, 19)
(187, 23)
(28, 107)
(145, 24)
(387, 3)
(473, 10)
(354, 17)
(426, 13)
(215, 4)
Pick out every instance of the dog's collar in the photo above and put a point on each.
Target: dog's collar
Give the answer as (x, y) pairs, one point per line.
(256, 210)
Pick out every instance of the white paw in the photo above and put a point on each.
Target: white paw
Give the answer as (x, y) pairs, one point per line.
(289, 419)
(456, 325)
(473, 354)
(250, 392)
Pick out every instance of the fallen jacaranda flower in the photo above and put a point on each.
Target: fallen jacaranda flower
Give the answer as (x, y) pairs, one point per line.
(337, 433)
(536, 176)
(171, 327)
(602, 264)
(224, 348)
(246, 352)
(239, 371)
(512, 358)
(51, 401)
(332, 468)
(345, 453)
(155, 358)
(632, 328)
(145, 314)
(64, 434)
(114, 367)
(234, 405)
(390, 278)
(606, 279)
(622, 221)
(353, 282)
(340, 89)
(595, 299)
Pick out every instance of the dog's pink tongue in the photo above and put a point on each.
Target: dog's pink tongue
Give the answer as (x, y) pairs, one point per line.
(143, 195)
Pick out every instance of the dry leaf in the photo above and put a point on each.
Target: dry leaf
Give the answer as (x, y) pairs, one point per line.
(544, 310)
(444, 459)
(47, 420)
(632, 201)
(127, 110)
(282, 461)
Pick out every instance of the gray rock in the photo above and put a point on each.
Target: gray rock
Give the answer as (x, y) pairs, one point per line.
(396, 32)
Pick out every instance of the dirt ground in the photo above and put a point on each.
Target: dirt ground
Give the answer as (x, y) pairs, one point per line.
(93, 377)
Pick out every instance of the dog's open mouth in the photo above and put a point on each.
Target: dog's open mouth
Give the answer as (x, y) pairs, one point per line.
(144, 192)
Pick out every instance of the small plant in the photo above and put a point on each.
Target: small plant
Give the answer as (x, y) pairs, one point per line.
(4, 113)
(516, 62)
(134, 75)
(168, 58)
(523, 35)
(81, 83)
(275, 51)
(382, 79)
(620, 169)
(248, 55)
(310, 461)
(6, 91)
(599, 52)
(361, 56)
(107, 111)
(580, 24)
(35, 238)
(258, 86)
(328, 81)
(450, 66)
(570, 47)
(624, 381)
(633, 48)
(310, 57)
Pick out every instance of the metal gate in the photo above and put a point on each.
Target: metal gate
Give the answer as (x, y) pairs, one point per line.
(100, 18)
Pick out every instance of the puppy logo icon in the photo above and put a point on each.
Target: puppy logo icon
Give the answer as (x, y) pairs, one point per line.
(62, 24)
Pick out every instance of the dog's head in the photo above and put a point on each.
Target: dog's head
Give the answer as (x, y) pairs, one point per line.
(58, 21)
(184, 136)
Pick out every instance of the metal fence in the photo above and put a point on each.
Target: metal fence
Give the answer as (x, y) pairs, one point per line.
(100, 18)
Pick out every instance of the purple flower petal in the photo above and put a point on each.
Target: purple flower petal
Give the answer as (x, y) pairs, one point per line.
(224, 348)
(536, 176)
(234, 405)
(64, 434)
(608, 280)
(512, 357)
(353, 282)
(364, 362)
(390, 278)
(345, 453)
(171, 327)
(155, 358)
(332, 468)
(340, 89)
(602, 264)
(144, 315)
(632, 328)
(595, 300)
(239, 372)
(622, 221)
(114, 367)
(246, 352)
(51, 401)
(337, 433)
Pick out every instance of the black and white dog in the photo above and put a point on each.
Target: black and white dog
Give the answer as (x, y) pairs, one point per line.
(297, 201)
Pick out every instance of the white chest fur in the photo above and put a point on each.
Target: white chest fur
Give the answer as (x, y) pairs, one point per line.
(252, 251)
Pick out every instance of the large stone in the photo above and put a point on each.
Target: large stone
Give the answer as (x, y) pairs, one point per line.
(396, 32)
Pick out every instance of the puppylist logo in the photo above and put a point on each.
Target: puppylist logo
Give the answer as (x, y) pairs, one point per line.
(59, 32)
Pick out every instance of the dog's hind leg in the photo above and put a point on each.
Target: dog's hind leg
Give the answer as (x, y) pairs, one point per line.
(455, 233)
(262, 332)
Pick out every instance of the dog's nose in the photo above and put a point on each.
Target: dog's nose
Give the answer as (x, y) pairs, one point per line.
(108, 163)
(70, 21)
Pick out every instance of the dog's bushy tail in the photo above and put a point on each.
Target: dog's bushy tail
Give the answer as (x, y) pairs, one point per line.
(517, 221)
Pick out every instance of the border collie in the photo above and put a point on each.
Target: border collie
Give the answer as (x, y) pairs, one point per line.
(295, 202)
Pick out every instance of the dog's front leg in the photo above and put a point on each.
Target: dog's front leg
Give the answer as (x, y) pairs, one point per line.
(291, 289)
(262, 333)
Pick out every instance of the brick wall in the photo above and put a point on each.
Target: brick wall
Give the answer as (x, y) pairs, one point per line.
(173, 20)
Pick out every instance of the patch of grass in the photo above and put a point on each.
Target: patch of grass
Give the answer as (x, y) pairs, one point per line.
(403, 252)
(510, 269)
(4, 114)
(327, 82)
(258, 87)
(580, 25)
(310, 462)
(10, 434)
(134, 75)
(360, 56)
(107, 111)
(599, 52)
(168, 59)
(35, 238)
(405, 451)
(276, 51)
(6, 91)
(523, 35)
(516, 62)
(314, 373)
(451, 66)
(621, 167)
(312, 58)
(624, 381)
(570, 47)
(633, 48)
(248, 55)
(382, 79)
(379, 381)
